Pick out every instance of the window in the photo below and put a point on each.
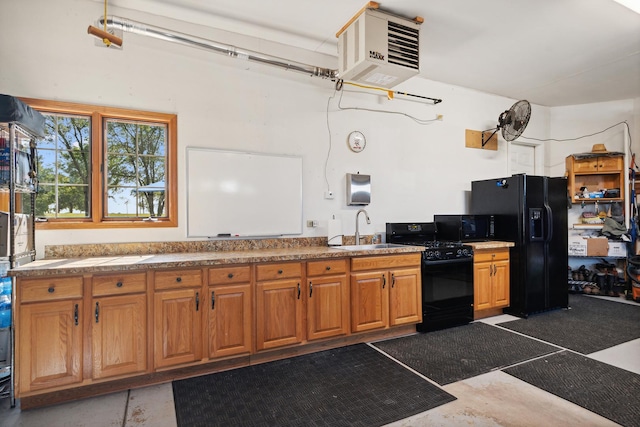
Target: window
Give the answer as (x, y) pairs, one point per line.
(105, 167)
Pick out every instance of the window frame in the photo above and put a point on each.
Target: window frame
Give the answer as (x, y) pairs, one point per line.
(98, 182)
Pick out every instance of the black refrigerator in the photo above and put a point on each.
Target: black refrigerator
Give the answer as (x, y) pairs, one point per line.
(530, 211)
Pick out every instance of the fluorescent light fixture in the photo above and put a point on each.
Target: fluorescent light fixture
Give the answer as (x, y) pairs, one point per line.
(631, 4)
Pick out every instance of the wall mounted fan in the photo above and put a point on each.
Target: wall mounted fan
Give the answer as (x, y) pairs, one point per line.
(512, 122)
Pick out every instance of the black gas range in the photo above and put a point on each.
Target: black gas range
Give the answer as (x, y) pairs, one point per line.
(447, 274)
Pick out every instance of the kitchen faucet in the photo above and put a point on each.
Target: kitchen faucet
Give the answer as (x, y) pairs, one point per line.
(357, 229)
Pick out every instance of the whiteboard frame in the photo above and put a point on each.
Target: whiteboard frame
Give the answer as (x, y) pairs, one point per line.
(273, 209)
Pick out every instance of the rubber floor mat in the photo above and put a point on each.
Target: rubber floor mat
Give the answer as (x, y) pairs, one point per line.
(455, 354)
(590, 325)
(348, 386)
(609, 391)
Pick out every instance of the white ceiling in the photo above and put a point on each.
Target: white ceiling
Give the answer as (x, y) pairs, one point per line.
(551, 52)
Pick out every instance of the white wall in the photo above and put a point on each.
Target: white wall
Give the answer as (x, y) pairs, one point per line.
(417, 170)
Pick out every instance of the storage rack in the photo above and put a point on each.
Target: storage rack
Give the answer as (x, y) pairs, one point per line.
(18, 186)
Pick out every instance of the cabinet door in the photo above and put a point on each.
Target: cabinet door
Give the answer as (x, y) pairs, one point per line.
(278, 313)
(327, 307)
(50, 339)
(405, 297)
(230, 320)
(501, 284)
(119, 338)
(177, 327)
(369, 301)
(482, 277)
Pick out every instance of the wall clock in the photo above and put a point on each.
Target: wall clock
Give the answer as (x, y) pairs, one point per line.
(356, 141)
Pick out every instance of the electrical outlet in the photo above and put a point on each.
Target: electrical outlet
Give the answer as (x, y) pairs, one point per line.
(328, 194)
(312, 223)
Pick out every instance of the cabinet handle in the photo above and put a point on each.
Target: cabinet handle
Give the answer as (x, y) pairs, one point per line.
(393, 280)
(51, 289)
(97, 311)
(279, 271)
(328, 267)
(384, 281)
(310, 289)
(213, 299)
(230, 275)
(178, 279)
(75, 314)
(197, 301)
(298, 290)
(119, 285)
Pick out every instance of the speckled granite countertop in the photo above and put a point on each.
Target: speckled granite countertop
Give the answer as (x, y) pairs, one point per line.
(490, 245)
(95, 264)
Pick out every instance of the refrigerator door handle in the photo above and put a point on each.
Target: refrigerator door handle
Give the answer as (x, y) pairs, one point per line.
(549, 222)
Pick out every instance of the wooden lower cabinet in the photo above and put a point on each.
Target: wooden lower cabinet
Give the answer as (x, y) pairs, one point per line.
(50, 340)
(279, 313)
(327, 299)
(405, 296)
(491, 279)
(369, 301)
(96, 331)
(119, 335)
(230, 311)
(385, 291)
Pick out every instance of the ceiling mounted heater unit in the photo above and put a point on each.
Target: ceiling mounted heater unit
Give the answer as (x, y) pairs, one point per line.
(379, 49)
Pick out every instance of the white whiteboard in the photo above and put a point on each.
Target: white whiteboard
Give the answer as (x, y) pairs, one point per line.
(238, 194)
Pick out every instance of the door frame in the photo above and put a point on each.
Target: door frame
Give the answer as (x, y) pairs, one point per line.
(538, 156)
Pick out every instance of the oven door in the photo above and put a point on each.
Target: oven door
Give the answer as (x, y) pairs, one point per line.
(447, 293)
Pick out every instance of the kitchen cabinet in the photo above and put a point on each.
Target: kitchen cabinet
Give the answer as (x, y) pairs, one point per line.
(385, 291)
(119, 324)
(327, 299)
(405, 297)
(49, 330)
(490, 279)
(229, 313)
(177, 310)
(83, 333)
(595, 173)
(279, 308)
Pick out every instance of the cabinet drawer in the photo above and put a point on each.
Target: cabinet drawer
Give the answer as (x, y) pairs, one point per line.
(171, 279)
(326, 267)
(50, 289)
(224, 275)
(385, 261)
(609, 164)
(588, 165)
(278, 271)
(116, 284)
(491, 255)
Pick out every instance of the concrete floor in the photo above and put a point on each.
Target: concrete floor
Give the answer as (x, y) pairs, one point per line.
(491, 399)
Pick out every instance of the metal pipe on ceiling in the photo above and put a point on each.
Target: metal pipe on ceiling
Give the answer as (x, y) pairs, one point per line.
(140, 28)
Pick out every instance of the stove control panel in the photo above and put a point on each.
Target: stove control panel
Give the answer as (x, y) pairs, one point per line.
(437, 254)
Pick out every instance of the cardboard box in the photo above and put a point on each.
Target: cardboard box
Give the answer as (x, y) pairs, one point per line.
(22, 230)
(617, 249)
(597, 246)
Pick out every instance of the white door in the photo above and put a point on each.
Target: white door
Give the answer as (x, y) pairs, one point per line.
(522, 158)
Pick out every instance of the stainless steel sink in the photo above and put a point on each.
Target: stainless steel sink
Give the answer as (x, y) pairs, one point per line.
(369, 247)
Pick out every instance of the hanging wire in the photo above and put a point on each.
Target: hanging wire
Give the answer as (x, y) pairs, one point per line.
(373, 110)
(326, 161)
(583, 136)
